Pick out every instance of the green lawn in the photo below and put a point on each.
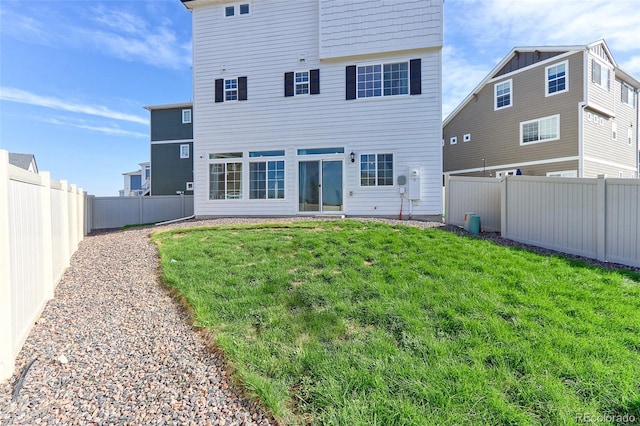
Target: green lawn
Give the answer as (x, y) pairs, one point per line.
(350, 323)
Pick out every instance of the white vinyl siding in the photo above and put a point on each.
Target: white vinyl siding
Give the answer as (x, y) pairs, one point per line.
(411, 124)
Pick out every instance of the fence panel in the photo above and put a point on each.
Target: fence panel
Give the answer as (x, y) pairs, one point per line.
(38, 236)
(472, 194)
(555, 213)
(116, 212)
(26, 258)
(622, 211)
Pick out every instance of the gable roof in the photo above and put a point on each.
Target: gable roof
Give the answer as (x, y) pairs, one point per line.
(520, 57)
(24, 161)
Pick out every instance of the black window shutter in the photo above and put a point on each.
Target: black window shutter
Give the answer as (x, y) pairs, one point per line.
(415, 76)
(288, 84)
(242, 88)
(351, 82)
(314, 86)
(219, 95)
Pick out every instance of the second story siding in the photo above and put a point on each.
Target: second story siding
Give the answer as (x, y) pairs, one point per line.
(170, 123)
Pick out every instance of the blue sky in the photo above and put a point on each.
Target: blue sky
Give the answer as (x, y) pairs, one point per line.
(74, 75)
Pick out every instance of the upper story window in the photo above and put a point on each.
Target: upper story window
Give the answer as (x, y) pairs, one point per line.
(383, 80)
(367, 81)
(540, 130)
(376, 169)
(243, 9)
(502, 92)
(599, 74)
(186, 116)
(557, 80)
(184, 150)
(302, 83)
(627, 94)
(614, 131)
(231, 89)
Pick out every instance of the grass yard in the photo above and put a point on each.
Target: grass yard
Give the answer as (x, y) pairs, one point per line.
(351, 323)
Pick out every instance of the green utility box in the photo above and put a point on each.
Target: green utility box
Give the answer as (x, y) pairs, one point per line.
(472, 223)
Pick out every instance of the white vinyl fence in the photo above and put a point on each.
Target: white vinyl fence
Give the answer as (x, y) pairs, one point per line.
(116, 212)
(41, 225)
(596, 218)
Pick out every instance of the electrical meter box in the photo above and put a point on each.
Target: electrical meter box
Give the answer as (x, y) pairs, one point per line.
(414, 183)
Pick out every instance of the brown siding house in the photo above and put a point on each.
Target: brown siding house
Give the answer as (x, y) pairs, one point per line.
(547, 111)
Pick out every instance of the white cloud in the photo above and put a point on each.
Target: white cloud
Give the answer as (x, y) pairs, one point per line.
(11, 94)
(107, 30)
(112, 131)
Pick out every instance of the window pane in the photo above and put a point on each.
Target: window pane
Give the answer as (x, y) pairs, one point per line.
(219, 155)
(396, 79)
(311, 151)
(216, 181)
(266, 153)
(368, 170)
(385, 169)
(257, 181)
(229, 11)
(234, 180)
(244, 9)
(530, 132)
(369, 81)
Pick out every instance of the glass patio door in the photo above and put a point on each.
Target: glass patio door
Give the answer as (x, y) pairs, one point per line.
(320, 186)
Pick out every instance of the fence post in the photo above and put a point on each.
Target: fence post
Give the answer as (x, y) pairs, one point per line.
(73, 220)
(47, 236)
(79, 195)
(65, 223)
(447, 197)
(601, 223)
(503, 208)
(7, 361)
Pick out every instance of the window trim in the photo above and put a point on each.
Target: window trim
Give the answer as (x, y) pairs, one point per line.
(453, 140)
(182, 151)
(614, 131)
(466, 137)
(226, 162)
(631, 94)
(522, 123)
(495, 95)
(602, 68)
(377, 176)
(265, 161)
(563, 174)
(184, 111)
(296, 84)
(382, 80)
(566, 78)
(228, 91)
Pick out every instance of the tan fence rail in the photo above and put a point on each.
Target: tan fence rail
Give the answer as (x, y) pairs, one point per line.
(596, 218)
(41, 225)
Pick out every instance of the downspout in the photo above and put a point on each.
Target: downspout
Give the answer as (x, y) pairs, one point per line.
(581, 106)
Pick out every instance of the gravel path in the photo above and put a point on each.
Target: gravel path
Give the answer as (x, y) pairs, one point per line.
(113, 347)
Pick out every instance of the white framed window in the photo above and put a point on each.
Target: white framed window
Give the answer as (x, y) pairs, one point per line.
(589, 116)
(383, 80)
(186, 116)
(184, 150)
(621, 174)
(466, 138)
(563, 173)
(225, 176)
(231, 89)
(599, 74)
(453, 140)
(627, 94)
(266, 180)
(243, 9)
(502, 94)
(540, 130)
(301, 83)
(629, 136)
(614, 131)
(376, 169)
(557, 78)
(189, 186)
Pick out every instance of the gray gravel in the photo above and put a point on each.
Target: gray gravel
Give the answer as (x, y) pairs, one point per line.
(113, 347)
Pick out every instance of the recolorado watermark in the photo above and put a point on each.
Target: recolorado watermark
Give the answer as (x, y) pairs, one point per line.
(606, 418)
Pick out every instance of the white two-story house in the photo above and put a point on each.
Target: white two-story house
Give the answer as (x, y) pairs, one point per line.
(317, 107)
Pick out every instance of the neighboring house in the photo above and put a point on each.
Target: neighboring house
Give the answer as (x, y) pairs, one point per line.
(171, 149)
(547, 111)
(138, 182)
(317, 106)
(24, 161)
